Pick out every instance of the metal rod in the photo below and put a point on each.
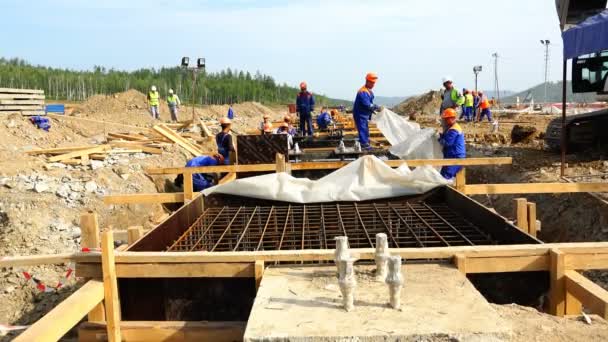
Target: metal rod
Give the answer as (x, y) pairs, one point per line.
(208, 227)
(227, 228)
(407, 226)
(388, 230)
(264, 230)
(189, 231)
(340, 220)
(238, 242)
(323, 227)
(363, 225)
(303, 225)
(284, 227)
(449, 225)
(426, 224)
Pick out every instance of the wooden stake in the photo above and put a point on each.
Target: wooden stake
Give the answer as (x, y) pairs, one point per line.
(89, 238)
(461, 263)
(259, 272)
(460, 182)
(280, 161)
(532, 219)
(521, 213)
(110, 286)
(188, 187)
(557, 291)
(134, 233)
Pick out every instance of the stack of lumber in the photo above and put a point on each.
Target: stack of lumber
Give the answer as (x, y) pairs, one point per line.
(166, 132)
(22, 101)
(81, 155)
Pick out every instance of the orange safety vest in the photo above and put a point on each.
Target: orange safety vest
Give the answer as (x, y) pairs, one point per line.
(485, 104)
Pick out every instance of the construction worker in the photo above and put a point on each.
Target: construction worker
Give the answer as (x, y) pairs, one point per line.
(484, 105)
(266, 125)
(363, 109)
(324, 119)
(468, 106)
(452, 141)
(475, 105)
(153, 102)
(290, 129)
(201, 181)
(224, 140)
(230, 114)
(173, 102)
(305, 105)
(450, 97)
(283, 128)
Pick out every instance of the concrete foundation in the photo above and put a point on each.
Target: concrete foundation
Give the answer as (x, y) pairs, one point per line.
(437, 304)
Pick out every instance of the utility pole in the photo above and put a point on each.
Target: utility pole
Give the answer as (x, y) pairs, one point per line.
(476, 71)
(496, 88)
(200, 67)
(546, 43)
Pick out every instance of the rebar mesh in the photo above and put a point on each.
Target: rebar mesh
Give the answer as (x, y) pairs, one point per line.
(293, 227)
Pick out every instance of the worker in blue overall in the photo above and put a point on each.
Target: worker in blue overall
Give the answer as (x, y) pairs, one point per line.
(324, 119)
(305, 105)
(224, 140)
(452, 141)
(363, 109)
(200, 181)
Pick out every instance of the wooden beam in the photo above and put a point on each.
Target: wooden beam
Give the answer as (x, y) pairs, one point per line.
(227, 178)
(134, 233)
(591, 295)
(326, 165)
(79, 153)
(281, 163)
(34, 260)
(521, 213)
(461, 263)
(89, 238)
(60, 150)
(461, 180)
(176, 138)
(532, 229)
(534, 188)
(137, 145)
(587, 261)
(557, 291)
(63, 317)
(21, 91)
(501, 264)
(162, 331)
(573, 304)
(110, 286)
(259, 273)
(21, 96)
(166, 197)
(173, 270)
(188, 187)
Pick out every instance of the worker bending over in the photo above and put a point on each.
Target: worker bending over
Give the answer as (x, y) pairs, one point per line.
(200, 181)
(324, 119)
(224, 140)
(484, 106)
(153, 102)
(363, 109)
(173, 102)
(305, 105)
(452, 141)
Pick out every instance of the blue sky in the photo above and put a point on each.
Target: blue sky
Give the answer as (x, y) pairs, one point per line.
(411, 44)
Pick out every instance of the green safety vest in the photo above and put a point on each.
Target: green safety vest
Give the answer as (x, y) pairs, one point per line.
(154, 97)
(468, 100)
(172, 99)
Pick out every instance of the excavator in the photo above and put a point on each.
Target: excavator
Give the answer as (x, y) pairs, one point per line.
(589, 74)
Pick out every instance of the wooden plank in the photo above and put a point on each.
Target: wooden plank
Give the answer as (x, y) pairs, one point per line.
(21, 91)
(259, 272)
(461, 263)
(591, 295)
(33, 260)
(171, 135)
(60, 150)
(461, 180)
(79, 153)
(521, 213)
(534, 188)
(188, 187)
(21, 96)
(532, 219)
(327, 165)
(22, 102)
(133, 144)
(89, 238)
(507, 264)
(227, 178)
(163, 331)
(32, 112)
(587, 261)
(63, 317)
(127, 136)
(21, 107)
(110, 286)
(557, 291)
(167, 197)
(134, 234)
(172, 270)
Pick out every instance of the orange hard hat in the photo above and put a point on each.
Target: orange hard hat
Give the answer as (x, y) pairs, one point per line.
(220, 158)
(303, 85)
(371, 77)
(225, 121)
(448, 113)
(268, 127)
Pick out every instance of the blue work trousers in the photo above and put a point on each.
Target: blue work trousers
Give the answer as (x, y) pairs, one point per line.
(485, 112)
(449, 172)
(306, 124)
(362, 123)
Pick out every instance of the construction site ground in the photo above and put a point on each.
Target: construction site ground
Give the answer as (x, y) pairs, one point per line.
(41, 202)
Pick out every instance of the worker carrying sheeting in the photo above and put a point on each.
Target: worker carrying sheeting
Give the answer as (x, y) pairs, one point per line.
(224, 140)
(200, 181)
(452, 141)
(305, 105)
(363, 109)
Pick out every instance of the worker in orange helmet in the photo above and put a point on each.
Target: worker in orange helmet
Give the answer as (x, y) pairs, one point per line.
(305, 105)
(267, 128)
(452, 142)
(363, 109)
(224, 140)
(290, 129)
(265, 123)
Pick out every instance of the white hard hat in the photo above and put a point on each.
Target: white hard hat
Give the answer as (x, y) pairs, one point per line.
(447, 79)
(170, 91)
(153, 88)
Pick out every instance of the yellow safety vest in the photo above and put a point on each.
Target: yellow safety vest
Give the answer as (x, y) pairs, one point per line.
(172, 99)
(154, 97)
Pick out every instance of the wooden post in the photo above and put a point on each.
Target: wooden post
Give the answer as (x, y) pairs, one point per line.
(461, 180)
(259, 272)
(461, 263)
(521, 213)
(532, 219)
(280, 161)
(110, 286)
(134, 233)
(557, 291)
(89, 238)
(188, 187)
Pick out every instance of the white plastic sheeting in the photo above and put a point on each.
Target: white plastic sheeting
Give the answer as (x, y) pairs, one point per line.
(366, 178)
(408, 140)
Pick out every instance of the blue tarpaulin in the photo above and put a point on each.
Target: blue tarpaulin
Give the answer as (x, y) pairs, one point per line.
(591, 35)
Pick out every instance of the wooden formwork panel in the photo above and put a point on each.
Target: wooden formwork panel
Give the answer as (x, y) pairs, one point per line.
(260, 149)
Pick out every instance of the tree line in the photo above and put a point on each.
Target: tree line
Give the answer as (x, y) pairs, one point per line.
(223, 87)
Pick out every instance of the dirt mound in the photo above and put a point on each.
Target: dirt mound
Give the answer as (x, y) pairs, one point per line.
(425, 104)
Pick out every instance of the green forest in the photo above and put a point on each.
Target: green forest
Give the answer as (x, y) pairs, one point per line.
(224, 87)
